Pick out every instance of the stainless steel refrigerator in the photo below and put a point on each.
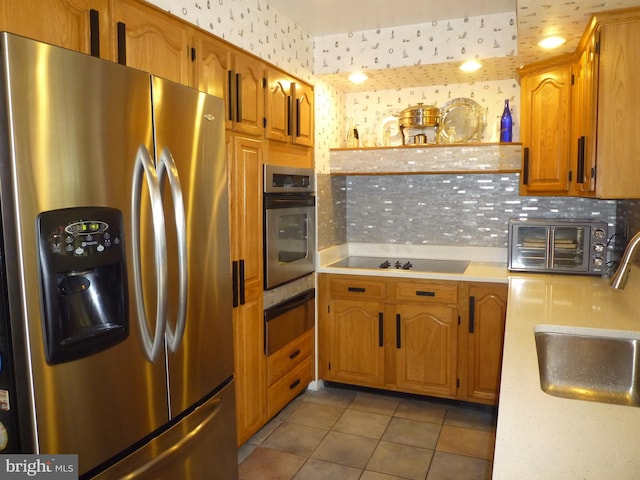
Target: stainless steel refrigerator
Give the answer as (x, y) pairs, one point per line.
(115, 316)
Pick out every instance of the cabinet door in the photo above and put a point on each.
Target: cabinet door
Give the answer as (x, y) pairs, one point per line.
(150, 40)
(425, 343)
(487, 314)
(250, 368)
(279, 103)
(304, 114)
(66, 23)
(247, 95)
(583, 120)
(357, 342)
(212, 66)
(245, 199)
(618, 148)
(545, 131)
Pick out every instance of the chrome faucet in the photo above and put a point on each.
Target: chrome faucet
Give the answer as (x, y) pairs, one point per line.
(619, 279)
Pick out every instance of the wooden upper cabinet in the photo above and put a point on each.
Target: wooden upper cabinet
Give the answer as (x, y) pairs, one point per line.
(214, 61)
(618, 112)
(247, 94)
(304, 114)
(80, 25)
(148, 39)
(583, 120)
(289, 109)
(545, 128)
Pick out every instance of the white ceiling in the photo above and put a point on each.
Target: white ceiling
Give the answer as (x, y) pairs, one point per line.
(328, 17)
(535, 18)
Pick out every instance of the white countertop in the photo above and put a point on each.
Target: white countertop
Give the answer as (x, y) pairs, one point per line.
(540, 436)
(485, 264)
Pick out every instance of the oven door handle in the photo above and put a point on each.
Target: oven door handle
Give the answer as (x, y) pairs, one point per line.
(277, 310)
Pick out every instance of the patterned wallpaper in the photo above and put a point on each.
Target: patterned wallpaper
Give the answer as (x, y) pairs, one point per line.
(253, 26)
(444, 41)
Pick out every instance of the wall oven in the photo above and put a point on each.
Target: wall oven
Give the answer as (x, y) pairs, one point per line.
(562, 246)
(289, 224)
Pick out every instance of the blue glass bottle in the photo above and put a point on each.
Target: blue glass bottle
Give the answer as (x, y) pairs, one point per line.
(506, 123)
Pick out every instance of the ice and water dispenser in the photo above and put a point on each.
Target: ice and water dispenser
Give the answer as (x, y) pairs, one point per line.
(84, 281)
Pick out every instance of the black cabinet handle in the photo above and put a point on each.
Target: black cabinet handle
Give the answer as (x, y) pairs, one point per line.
(241, 282)
(398, 331)
(94, 32)
(231, 88)
(525, 167)
(472, 314)
(289, 115)
(380, 329)
(234, 280)
(356, 289)
(294, 384)
(581, 150)
(298, 117)
(122, 43)
(422, 293)
(238, 97)
(294, 354)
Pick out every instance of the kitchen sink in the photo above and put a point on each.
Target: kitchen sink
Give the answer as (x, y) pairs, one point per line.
(591, 364)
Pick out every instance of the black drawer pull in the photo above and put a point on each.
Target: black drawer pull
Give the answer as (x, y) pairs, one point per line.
(294, 354)
(356, 289)
(294, 384)
(422, 293)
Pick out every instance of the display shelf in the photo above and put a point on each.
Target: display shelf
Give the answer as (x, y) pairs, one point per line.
(427, 159)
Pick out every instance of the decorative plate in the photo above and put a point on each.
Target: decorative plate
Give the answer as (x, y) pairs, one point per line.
(462, 120)
(389, 133)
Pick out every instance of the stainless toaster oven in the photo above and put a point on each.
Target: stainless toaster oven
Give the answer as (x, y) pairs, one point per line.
(558, 245)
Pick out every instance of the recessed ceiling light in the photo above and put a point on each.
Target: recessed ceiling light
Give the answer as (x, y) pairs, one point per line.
(552, 42)
(470, 66)
(358, 77)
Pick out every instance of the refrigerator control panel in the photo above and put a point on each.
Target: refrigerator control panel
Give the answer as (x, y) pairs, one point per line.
(83, 238)
(83, 280)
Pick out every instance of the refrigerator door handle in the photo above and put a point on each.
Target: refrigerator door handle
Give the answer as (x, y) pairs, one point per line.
(177, 448)
(167, 165)
(144, 165)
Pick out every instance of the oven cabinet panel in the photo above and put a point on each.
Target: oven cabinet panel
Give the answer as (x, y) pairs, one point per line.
(245, 159)
(289, 371)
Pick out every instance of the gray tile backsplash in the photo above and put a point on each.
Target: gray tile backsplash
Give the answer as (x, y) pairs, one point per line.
(460, 210)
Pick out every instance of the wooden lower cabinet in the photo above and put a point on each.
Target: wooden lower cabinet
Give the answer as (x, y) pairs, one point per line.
(357, 342)
(410, 336)
(481, 339)
(423, 349)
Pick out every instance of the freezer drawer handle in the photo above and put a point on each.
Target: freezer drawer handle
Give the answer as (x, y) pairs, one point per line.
(161, 460)
(167, 165)
(144, 165)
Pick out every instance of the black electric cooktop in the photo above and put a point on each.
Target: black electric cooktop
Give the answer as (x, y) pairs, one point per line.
(412, 264)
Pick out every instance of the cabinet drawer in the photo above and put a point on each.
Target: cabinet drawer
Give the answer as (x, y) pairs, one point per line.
(357, 287)
(289, 386)
(416, 291)
(287, 357)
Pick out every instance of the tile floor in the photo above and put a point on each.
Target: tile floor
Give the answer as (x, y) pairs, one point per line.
(343, 434)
